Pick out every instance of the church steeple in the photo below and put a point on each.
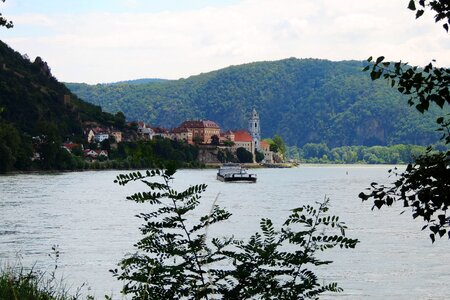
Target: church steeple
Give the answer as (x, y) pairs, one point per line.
(254, 129)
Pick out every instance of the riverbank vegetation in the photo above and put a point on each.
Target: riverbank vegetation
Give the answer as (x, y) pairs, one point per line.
(16, 283)
(321, 153)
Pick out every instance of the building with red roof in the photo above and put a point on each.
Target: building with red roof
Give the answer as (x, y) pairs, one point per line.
(242, 138)
(162, 132)
(227, 136)
(202, 130)
(181, 134)
(268, 155)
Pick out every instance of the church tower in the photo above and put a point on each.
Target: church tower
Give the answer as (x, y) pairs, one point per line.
(254, 128)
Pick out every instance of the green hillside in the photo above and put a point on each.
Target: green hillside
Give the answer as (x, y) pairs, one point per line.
(137, 81)
(303, 100)
(33, 103)
(30, 95)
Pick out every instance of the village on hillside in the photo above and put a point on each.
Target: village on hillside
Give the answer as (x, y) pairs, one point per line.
(215, 145)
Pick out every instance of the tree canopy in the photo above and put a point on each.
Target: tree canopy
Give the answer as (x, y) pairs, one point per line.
(243, 155)
(425, 184)
(32, 101)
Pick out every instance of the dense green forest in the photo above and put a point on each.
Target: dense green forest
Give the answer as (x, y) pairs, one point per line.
(30, 95)
(302, 100)
(34, 104)
(320, 153)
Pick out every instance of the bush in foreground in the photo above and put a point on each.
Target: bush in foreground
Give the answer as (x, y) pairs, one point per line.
(175, 260)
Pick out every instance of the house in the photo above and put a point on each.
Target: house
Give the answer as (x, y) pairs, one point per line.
(161, 132)
(227, 136)
(90, 134)
(202, 130)
(145, 131)
(97, 134)
(94, 154)
(242, 138)
(268, 155)
(101, 136)
(181, 134)
(117, 135)
(70, 146)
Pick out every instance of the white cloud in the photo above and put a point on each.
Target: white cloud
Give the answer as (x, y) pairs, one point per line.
(32, 20)
(108, 47)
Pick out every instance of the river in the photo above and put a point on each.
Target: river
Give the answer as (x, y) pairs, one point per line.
(87, 216)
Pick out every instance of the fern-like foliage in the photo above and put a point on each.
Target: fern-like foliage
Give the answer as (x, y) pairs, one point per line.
(174, 261)
(277, 264)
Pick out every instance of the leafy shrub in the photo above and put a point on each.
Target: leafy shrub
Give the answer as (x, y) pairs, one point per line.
(175, 261)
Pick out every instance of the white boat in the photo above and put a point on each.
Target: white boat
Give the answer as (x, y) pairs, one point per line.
(234, 173)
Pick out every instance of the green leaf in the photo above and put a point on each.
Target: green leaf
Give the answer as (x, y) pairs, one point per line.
(374, 75)
(379, 59)
(419, 13)
(363, 196)
(378, 203)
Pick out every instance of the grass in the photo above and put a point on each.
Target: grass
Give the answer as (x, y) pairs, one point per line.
(16, 283)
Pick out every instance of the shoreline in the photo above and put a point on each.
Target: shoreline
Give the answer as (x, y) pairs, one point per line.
(211, 166)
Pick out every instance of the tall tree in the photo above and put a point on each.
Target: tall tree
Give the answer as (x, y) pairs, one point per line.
(243, 155)
(425, 184)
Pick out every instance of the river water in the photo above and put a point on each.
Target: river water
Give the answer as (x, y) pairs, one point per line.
(87, 216)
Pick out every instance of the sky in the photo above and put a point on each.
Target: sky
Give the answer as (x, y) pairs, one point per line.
(99, 41)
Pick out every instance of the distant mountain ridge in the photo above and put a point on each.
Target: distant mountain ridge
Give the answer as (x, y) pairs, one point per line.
(302, 100)
(137, 81)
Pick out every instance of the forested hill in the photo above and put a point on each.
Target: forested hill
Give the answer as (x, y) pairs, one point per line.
(38, 113)
(137, 81)
(32, 100)
(302, 100)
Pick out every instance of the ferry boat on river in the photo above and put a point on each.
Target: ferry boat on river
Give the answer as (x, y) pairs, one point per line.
(235, 173)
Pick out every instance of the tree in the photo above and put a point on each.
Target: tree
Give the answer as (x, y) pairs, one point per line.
(259, 156)
(105, 145)
(274, 148)
(228, 143)
(280, 144)
(197, 140)
(4, 22)
(9, 145)
(119, 120)
(49, 146)
(214, 140)
(425, 184)
(440, 7)
(315, 150)
(174, 260)
(225, 155)
(243, 155)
